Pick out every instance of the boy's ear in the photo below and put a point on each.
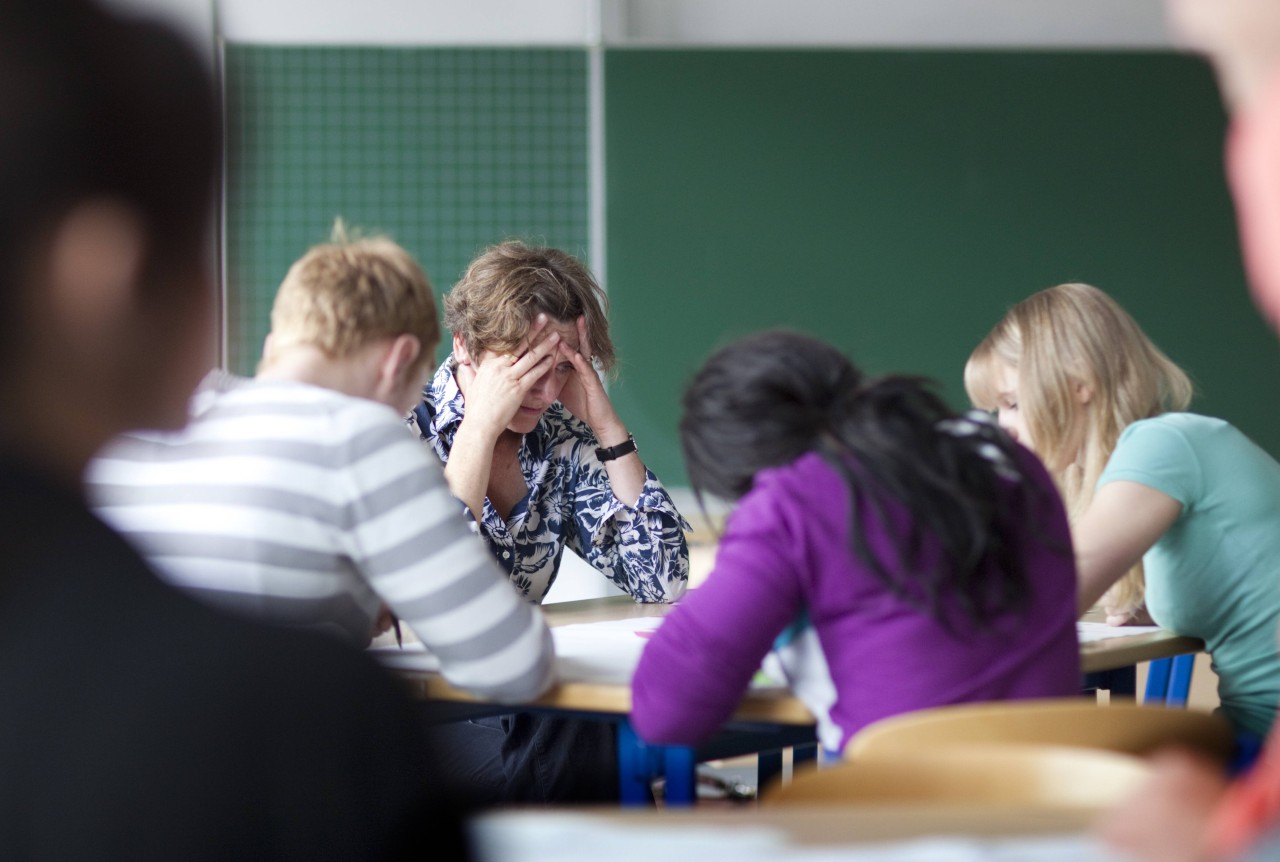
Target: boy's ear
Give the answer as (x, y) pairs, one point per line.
(401, 357)
(392, 367)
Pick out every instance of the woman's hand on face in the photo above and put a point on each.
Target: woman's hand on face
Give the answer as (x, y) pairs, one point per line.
(495, 384)
(584, 396)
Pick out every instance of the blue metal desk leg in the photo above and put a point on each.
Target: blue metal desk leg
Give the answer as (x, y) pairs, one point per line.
(639, 764)
(635, 772)
(1169, 680)
(682, 776)
(1180, 680)
(1158, 671)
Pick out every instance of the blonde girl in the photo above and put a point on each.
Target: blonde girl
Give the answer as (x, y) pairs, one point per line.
(1171, 510)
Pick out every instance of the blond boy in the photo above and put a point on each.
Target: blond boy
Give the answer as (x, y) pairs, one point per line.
(299, 495)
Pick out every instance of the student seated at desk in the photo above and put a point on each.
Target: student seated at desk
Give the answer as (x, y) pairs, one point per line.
(535, 450)
(896, 556)
(300, 497)
(137, 723)
(1169, 507)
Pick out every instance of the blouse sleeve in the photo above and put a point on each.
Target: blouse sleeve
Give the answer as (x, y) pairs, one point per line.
(641, 548)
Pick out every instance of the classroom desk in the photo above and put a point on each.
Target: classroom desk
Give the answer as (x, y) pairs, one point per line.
(889, 832)
(773, 707)
(1112, 663)
(765, 720)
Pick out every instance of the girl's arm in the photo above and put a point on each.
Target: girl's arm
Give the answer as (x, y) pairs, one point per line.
(700, 662)
(1121, 524)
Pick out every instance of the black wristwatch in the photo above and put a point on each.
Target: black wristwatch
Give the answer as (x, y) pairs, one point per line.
(626, 447)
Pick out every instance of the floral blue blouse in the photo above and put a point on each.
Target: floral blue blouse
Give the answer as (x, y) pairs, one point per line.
(640, 548)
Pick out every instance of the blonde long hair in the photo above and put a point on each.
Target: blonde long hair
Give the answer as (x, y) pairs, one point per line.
(1064, 341)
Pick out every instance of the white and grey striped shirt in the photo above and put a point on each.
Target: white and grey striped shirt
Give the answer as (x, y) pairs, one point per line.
(311, 507)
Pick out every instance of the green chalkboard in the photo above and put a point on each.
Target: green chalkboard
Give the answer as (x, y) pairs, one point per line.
(446, 149)
(897, 203)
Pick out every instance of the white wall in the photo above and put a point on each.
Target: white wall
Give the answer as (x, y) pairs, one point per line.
(880, 23)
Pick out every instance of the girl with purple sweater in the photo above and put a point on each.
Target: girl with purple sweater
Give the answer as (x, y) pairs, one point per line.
(890, 554)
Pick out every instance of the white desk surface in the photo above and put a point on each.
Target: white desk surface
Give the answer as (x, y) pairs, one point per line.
(595, 678)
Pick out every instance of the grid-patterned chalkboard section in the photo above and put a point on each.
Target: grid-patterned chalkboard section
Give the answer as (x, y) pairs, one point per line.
(447, 150)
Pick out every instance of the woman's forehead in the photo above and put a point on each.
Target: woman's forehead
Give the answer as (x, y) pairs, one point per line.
(568, 333)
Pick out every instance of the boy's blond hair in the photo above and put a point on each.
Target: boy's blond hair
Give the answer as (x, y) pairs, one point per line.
(351, 291)
(1059, 339)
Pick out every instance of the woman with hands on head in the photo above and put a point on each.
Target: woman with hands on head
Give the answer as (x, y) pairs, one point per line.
(1172, 513)
(535, 450)
(510, 392)
(531, 442)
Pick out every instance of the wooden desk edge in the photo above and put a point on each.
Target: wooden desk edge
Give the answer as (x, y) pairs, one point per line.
(1107, 654)
(775, 706)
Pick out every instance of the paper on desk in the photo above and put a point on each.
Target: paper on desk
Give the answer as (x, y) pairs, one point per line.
(574, 837)
(607, 652)
(1101, 631)
(602, 652)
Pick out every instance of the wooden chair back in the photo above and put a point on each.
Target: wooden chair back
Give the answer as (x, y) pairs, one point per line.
(1027, 776)
(1077, 722)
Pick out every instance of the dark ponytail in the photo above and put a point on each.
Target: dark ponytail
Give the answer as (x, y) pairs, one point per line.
(769, 398)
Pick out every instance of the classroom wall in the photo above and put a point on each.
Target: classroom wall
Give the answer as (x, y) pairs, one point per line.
(833, 23)
(743, 168)
(896, 203)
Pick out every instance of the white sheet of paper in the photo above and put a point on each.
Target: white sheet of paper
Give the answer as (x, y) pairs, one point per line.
(607, 652)
(1101, 631)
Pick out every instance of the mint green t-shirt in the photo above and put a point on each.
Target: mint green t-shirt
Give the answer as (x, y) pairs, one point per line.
(1215, 574)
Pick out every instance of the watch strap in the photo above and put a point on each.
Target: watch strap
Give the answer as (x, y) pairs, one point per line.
(626, 447)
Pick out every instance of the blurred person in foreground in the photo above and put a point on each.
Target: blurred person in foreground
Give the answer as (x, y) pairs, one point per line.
(1190, 810)
(136, 723)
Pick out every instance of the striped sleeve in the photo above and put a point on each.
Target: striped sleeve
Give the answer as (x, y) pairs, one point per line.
(415, 549)
(312, 508)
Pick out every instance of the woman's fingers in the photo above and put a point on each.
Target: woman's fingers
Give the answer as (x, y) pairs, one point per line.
(581, 363)
(538, 353)
(584, 346)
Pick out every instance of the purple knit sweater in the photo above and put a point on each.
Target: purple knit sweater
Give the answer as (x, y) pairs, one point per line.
(786, 549)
